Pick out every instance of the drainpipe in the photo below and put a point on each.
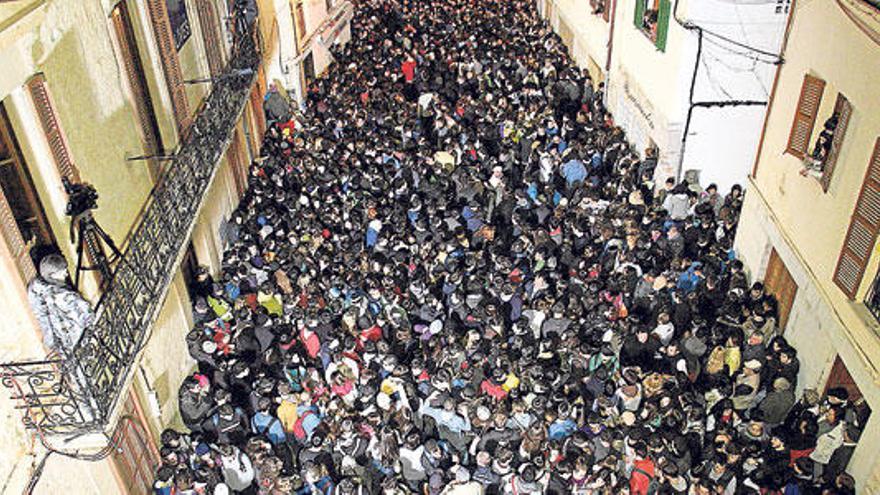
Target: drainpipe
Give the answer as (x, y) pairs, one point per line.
(690, 113)
(612, 4)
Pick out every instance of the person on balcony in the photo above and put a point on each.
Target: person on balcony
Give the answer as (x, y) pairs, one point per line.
(63, 314)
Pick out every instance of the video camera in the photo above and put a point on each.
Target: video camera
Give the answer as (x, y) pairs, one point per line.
(80, 197)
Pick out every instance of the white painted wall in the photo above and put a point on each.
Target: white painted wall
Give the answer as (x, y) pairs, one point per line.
(590, 32)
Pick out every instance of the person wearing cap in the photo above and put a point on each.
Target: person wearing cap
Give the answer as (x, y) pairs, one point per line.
(746, 385)
(463, 484)
(776, 405)
(446, 417)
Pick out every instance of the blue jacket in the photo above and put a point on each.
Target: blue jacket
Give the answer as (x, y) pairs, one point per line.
(266, 424)
(574, 171)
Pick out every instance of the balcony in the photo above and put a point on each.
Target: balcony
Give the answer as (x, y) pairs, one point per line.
(78, 395)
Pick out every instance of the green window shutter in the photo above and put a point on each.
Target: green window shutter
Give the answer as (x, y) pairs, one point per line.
(640, 13)
(662, 24)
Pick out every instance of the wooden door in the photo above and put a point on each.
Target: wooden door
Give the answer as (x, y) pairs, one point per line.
(137, 83)
(237, 163)
(136, 458)
(779, 282)
(840, 377)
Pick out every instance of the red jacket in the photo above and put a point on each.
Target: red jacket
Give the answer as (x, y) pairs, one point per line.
(409, 70)
(638, 480)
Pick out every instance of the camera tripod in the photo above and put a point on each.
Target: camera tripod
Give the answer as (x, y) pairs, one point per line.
(88, 236)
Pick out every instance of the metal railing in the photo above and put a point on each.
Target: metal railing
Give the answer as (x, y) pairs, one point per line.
(78, 393)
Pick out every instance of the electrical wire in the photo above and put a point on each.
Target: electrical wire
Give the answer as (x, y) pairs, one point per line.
(775, 56)
(712, 81)
(752, 69)
(742, 53)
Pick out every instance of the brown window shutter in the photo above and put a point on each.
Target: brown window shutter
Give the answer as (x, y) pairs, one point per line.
(170, 62)
(133, 68)
(862, 233)
(211, 35)
(805, 116)
(18, 248)
(52, 128)
(843, 109)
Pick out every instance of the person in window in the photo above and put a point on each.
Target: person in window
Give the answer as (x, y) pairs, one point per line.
(61, 311)
(823, 142)
(815, 165)
(649, 23)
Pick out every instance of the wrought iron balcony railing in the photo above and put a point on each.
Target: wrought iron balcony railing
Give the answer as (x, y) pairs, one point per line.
(77, 394)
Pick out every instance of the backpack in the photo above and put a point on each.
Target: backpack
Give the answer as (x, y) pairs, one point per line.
(653, 484)
(298, 431)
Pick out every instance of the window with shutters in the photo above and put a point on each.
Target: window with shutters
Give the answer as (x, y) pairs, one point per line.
(862, 233)
(207, 12)
(805, 116)
(652, 18)
(170, 62)
(137, 83)
(839, 121)
(601, 8)
(299, 21)
(23, 221)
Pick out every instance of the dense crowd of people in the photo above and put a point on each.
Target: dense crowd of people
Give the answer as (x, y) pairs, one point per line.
(451, 274)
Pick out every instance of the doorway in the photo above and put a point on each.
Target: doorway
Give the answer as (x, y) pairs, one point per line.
(308, 68)
(24, 221)
(779, 283)
(135, 457)
(137, 82)
(855, 410)
(189, 267)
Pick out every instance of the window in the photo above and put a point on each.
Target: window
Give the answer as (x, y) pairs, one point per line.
(862, 233)
(837, 127)
(207, 13)
(823, 158)
(299, 20)
(179, 19)
(805, 116)
(165, 42)
(652, 18)
(137, 83)
(22, 220)
(601, 8)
